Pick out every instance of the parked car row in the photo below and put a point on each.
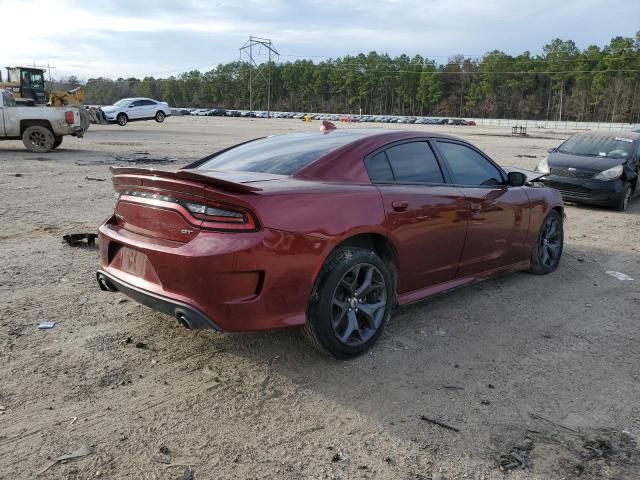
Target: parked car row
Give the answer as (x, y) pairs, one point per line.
(220, 112)
(376, 118)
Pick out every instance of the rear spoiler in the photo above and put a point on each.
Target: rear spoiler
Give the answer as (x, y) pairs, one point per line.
(531, 176)
(208, 177)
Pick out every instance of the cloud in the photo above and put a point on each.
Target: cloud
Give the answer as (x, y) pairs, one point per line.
(117, 38)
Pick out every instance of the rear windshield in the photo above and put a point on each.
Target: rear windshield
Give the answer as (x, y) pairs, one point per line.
(598, 146)
(281, 155)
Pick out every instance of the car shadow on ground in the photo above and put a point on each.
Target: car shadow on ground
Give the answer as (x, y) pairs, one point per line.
(490, 359)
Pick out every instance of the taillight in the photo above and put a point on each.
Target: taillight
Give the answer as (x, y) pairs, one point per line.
(68, 116)
(214, 215)
(221, 216)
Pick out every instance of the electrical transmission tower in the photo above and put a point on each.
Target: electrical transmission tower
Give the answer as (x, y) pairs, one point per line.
(249, 50)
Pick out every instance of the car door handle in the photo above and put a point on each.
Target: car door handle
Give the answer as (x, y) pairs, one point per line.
(476, 208)
(400, 205)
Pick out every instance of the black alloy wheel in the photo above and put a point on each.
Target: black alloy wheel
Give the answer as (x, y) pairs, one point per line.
(548, 249)
(350, 303)
(358, 305)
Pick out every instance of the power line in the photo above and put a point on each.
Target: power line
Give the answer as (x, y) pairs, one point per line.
(474, 60)
(436, 72)
(359, 69)
(467, 59)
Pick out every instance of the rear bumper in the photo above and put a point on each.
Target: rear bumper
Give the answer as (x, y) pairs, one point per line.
(230, 282)
(596, 192)
(188, 316)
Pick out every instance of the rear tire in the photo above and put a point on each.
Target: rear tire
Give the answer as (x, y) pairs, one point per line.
(548, 248)
(160, 117)
(623, 203)
(350, 303)
(122, 119)
(85, 119)
(38, 139)
(57, 142)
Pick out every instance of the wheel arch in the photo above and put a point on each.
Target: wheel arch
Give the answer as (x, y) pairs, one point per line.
(560, 210)
(24, 124)
(377, 242)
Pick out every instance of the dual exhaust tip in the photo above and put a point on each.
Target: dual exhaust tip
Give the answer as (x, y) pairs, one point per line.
(183, 320)
(181, 316)
(105, 284)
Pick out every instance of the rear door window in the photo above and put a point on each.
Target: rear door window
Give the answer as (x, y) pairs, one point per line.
(468, 167)
(379, 169)
(412, 162)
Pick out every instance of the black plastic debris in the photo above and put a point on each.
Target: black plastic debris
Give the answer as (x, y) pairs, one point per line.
(518, 457)
(131, 158)
(79, 239)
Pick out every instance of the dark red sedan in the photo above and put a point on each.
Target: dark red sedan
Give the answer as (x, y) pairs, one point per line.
(324, 230)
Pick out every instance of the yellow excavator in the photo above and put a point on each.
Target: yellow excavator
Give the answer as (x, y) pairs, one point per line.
(27, 86)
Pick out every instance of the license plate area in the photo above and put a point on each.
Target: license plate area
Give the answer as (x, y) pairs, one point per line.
(132, 262)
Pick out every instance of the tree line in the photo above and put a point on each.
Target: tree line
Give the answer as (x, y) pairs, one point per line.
(562, 83)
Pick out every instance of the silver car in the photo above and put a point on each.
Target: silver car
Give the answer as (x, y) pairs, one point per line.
(134, 109)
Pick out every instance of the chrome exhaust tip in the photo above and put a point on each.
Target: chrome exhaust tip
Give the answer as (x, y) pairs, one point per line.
(105, 285)
(182, 320)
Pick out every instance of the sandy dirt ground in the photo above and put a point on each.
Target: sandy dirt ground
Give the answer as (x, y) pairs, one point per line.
(544, 370)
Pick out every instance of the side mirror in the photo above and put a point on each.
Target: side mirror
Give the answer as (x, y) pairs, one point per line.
(516, 179)
(551, 150)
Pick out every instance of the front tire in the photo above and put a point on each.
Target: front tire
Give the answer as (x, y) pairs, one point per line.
(38, 139)
(122, 119)
(549, 244)
(350, 303)
(623, 203)
(160, 116)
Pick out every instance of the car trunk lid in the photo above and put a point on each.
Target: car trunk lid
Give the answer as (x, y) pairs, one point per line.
(177, 204)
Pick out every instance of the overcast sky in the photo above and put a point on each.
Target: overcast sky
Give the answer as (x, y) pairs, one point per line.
(121, 38)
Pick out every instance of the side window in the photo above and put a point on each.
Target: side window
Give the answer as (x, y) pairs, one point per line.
(468, 166)
(379, 168)
(414, 162)
(26, 79)
(134, 104)
(8, 100)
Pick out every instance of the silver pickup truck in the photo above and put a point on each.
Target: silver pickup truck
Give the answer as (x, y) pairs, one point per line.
(40, 128)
